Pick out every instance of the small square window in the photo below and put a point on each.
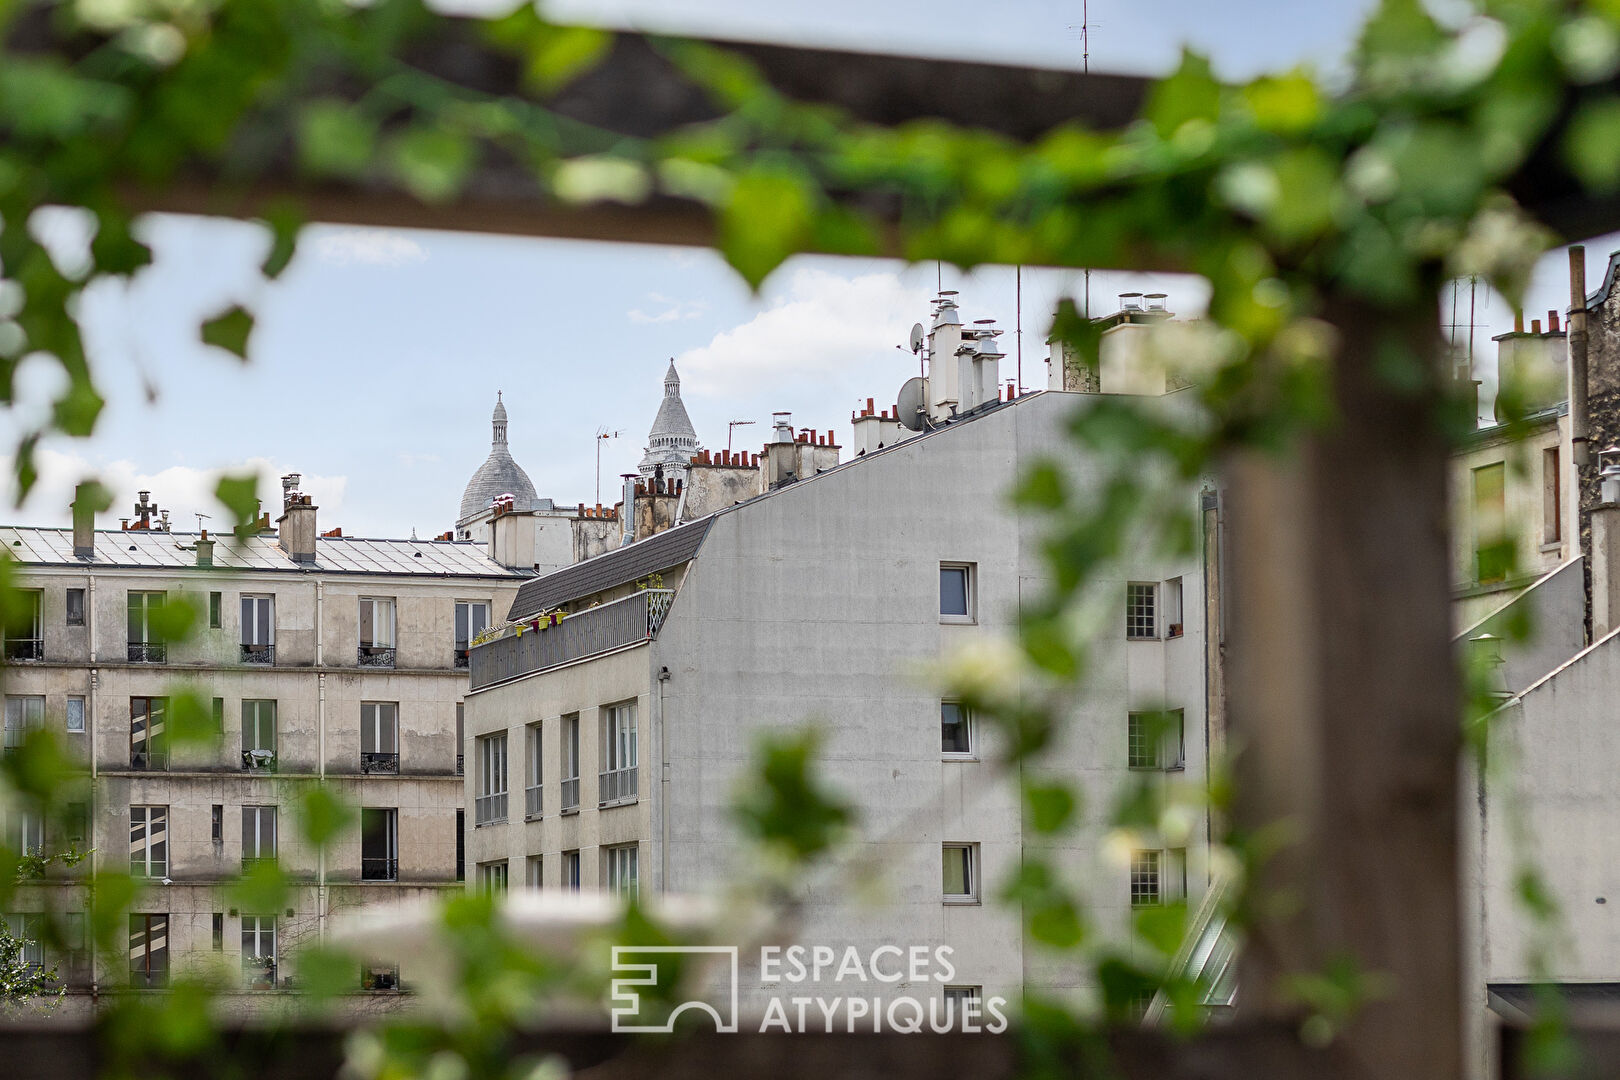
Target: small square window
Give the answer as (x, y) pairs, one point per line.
(956, 592)
(75, 607)
(958, 863)
(1141, 611)
(955, 730)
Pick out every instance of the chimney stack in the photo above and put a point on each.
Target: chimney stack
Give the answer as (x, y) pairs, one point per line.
(84, 521)
(205, 550)
(1578, 414)
(295, 528)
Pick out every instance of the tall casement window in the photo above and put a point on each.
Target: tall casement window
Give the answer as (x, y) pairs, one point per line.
(955, 592)
(1146, 885)
(149, 841)
(461, 736)
(379, 737)
(461, 844)
(570, 870)
(148, 951)
(259, 951)
(258, 630)
(531, 760)
(258, 835)
(379, 844)
(490, 805)
(25, 927)
(1156, 740)
(569, 791)
(259, 735)
(148, 733)
(376, 631)
(622, 870)
(1141, 611)
(1173, 626)
(472, 617)
(534, 871)
(492, 877)
(145, 636)
(1493, 551)
(75, 607)
(955, 730)
(26, 830)
(618, 778)
(959, 864)
(24, 713)
(1552, 502)
(24, 630)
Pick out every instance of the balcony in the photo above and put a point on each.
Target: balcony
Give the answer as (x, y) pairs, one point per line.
(259, 761)
(24, 649)
(258, 654)
(149, 760)
(569, 803)
(618, 786)
(148, 652)
(379, 763)
(532, 802)
(378, 656)
(260, 972)
(378, 869)
(490, 809)
(592, 632)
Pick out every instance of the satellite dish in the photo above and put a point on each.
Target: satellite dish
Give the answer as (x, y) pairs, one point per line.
(910, 403)
(916, 337)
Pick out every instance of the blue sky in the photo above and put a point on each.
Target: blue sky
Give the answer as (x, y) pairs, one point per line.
(378, 353)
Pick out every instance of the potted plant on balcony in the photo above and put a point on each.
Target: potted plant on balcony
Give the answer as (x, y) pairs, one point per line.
(260, 972)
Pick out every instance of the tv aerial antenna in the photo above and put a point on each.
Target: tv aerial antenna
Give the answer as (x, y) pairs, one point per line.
(731, 427)
(602, 435)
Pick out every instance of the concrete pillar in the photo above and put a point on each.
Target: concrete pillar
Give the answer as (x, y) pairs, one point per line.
(1605, 568)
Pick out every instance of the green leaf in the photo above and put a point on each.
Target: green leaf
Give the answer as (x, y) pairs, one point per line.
(1592, 145)
(431, 162)
(173, 620)
(262, 890)
(787, 807)
(25, 468)
(768, 217)
(240, 495)
(1190, 94)
(322, 816)
(79, 406)
(1051, 806)
(191, 716)
(335, 139)
(115, 249)
(1287, 104)
(560, 54)
(1042, 488)
(229, 330)
(284, 222)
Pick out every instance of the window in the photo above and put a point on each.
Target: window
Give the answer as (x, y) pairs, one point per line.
(955, 730)
(956, 592)
(461, 734)
(376, 631)
(259, 736)
(532, 871)
(1173, 883)
(621, 870)
(23, 714)
(148, 733)
(1156, 740)
(1141, 618)
(217, 826)
(472, 616)
(461, 845)
(491, 762)
(531, 757)
(1172, 608)
(1145, 884)
(492, 877)
(618, 780)
(258, 629)
(1492, 550)
(965, 1005)
(258, 834)
(145, 641)
(379, 844)
(219, 931)
(24, 629)
(75, 607)
(25, 928)
(219, 716)
(259, 951)
(961, 878)
(216, 611)
(148, 951)
(569, 791)
(26, 830)
(75, 714)
(570, 870)
(379, 737)
(379, 977)
(149, 841)
(1552, 512)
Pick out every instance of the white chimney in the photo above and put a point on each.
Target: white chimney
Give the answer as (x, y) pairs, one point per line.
(944, 338)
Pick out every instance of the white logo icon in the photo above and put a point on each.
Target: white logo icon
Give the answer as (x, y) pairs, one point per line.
(641, 965)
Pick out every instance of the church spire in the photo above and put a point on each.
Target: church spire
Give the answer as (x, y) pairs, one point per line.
(498, 422)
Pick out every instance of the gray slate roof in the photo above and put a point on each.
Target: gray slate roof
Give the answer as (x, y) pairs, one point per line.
(650, 556)
(142, 549)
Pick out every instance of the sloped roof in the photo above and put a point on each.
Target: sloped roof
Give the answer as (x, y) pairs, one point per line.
(650, 556)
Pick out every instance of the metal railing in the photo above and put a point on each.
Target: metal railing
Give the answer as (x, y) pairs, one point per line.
(532, 801)
(379, 763)
(461, 657)
(261, 761)
(25, 649)
(375, 656)
(152, 760)
(377, 869)
(461, 765)
(258, 654)
(618, 785)
(570, 795)
(148, 652)
(251, 861)
(490, 809)
(629, 621)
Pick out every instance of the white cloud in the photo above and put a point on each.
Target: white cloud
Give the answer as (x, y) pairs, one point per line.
(823, 326)
(182, 490)
(370, 247)
(673, 310)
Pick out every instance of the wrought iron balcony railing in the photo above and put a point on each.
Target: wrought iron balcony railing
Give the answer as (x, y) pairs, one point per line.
(261, 761)
(258, 654)
(151, 760)
(378, 869)
(148, 652)
(379, 762)
(375, 656)
(25, 649)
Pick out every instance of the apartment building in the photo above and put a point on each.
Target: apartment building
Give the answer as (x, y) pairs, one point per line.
(326, 660)
(610, 725)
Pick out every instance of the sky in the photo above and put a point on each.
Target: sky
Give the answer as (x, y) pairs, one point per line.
(378, 353)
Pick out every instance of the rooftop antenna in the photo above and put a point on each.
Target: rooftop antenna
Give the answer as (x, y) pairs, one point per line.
(602, 435)
(1018, 320)
(733, 426)
(202, 518)
(1462, 355)
(1085, 68)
